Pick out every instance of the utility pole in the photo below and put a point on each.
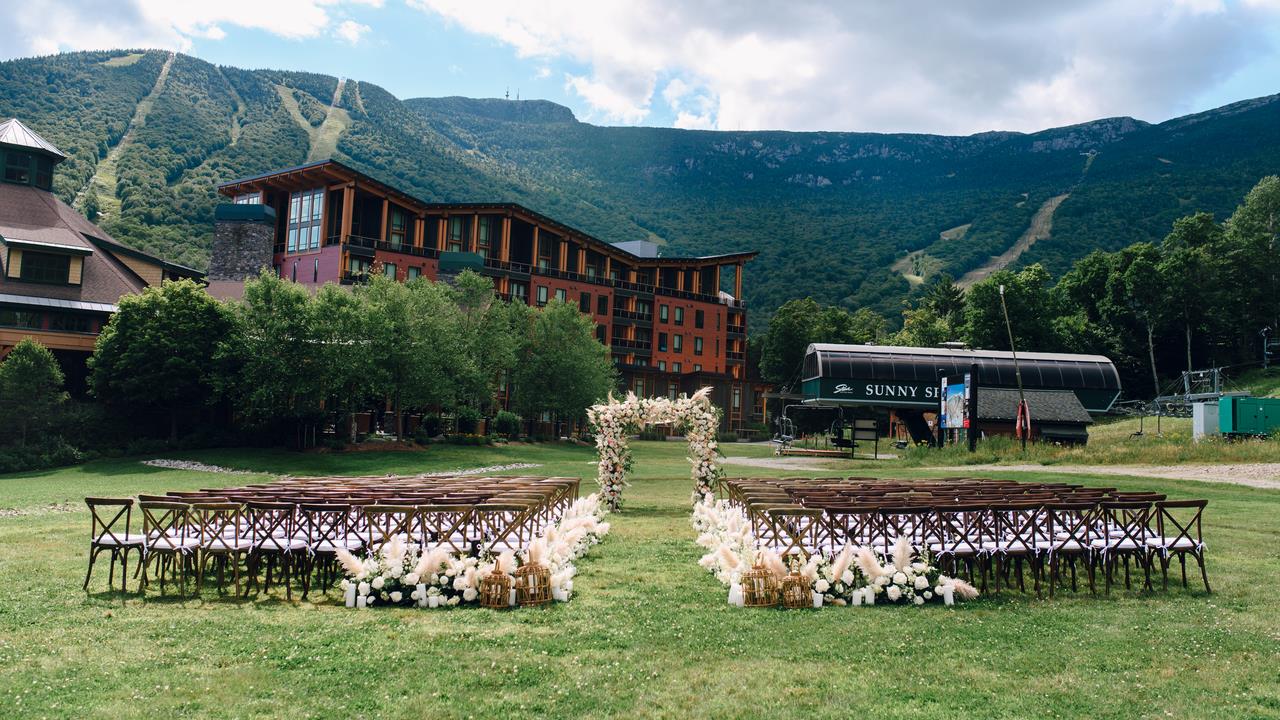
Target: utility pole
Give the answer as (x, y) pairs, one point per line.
(1023, 410)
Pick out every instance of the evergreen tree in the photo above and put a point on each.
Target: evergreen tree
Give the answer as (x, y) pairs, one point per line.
(30, 387)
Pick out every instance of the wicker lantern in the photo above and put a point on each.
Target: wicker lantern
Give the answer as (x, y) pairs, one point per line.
(533, 584)
(795, 592)
(495, 590)
(759, 588)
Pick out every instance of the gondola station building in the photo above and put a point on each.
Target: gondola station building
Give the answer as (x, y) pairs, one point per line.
(673, 324)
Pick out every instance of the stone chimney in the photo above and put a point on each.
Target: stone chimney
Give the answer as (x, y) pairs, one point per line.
(243, 244)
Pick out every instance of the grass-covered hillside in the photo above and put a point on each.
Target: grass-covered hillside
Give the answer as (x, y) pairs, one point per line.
(849, 218)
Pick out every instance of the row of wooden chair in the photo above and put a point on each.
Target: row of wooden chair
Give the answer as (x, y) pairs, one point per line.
(985, 532)
(296, 528)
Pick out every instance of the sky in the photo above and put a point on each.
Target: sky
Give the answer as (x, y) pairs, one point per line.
(859, 65)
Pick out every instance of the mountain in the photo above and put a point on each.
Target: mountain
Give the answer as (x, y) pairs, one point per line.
(849, 218)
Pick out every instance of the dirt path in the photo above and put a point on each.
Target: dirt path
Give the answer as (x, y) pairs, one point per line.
(322, 140)
(1039, 229)
(104, 178)
(1258, 475)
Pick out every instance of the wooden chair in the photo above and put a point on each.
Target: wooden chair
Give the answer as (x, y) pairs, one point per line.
(223, 536)
(1122, 534)
(384, 522)
(1178, 532)
(275, 540)
(1069, 524)
(167, 539)
(107, 532)
(326, 529)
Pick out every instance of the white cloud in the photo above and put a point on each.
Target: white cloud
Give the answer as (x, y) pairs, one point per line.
(810, 64)
(49, 26)
(350, 31)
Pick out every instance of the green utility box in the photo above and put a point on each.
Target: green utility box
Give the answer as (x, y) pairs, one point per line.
(1248, 416)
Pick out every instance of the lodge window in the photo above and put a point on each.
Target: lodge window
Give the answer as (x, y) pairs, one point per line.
(305, 208)
(389, 269)
(46, 267)
(662, 342)
(757, 404)
(602, 305)
(697, 346)
(671, 391)
(644, 308)
(17, 167)
(697, 367)
(697, 319)
(21, 319)
(675, 367)
(560, 295)
(252, 198)
(520, 291)
(293, 272)
(542, 295)
(737, 397)
(315, 271)
(584, 303)
(357, 266)
(662, 312)
(413, 273)
(640, 387)
(677, 342)
(717, 347)
(457, 232)
(64, 322)
(399, 228)
(600, 331)
(679, 316)
(484, 234)
(662, 365)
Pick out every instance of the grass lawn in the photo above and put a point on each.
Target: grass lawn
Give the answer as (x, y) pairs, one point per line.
(648, 633)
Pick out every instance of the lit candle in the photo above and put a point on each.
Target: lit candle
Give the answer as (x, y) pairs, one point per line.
(433, 602)
(817, 599)
(949, 594)
(422, 594)
(362, 601)
(351, 595)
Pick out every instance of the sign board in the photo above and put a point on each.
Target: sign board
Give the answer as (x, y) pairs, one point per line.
(955, 404)
(871, 392)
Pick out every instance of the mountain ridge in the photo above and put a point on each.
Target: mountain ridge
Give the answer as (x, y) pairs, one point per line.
(832, 213)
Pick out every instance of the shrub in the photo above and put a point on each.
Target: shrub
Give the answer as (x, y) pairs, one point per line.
(47, 453)
(654, 433)
(727, 437)
(468, 439)
(430, 426)
(507, 424)
(467, 419)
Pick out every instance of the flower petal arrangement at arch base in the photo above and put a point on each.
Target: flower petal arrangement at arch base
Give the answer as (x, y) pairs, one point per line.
(694, 415)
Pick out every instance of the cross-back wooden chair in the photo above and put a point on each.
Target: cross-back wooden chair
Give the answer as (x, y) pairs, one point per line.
(275, 542)
(167, 540)
(110, 522)
(500, 526)
(1178, 532)
(799, 530)
(1019, 526)
(959, 538)
(1069, 525)
(325, 525)
(224, 537)
(446, 526)
(1123, 536)
(384, 522)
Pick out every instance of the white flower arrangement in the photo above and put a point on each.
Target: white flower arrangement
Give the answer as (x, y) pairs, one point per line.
(393, 573)
(848, 577)
(615, 420)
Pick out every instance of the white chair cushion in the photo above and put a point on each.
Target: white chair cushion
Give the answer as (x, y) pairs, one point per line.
(121, 539)
(1113, 544)
(1059, 545)
(276, 543)
(224, 544)
(328, 546)
(1169, 543)
(173, 543)
(1007, 545)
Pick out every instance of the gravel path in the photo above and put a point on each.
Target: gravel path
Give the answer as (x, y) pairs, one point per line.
(801, 464)
(1259, 475)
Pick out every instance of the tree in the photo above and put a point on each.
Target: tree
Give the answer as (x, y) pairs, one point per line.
(30, 387)
(1030, 311)
(342, 348)
(161, 350)
(923, 327)
(944, 298)
(790, 332)
(1137, 288)
(488, 339)
(1252, 255)
(281, 378)
(564, 369)
(1189, 274)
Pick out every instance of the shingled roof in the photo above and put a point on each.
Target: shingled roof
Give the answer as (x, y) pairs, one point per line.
(14, 134)
(1047, 406)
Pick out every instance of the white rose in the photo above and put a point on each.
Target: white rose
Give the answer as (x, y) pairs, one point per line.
(938, 589)
(882, 580)
(922, 582)
(396, 571)
(469, 594)
(918, 600)
(919, 567)
(894, 593)
(344, 584)
(847, 577)
(363, 588)
(454, 600)
(370, 601)
(899, 578)
(822, 586)
(411, 579)
(378, 582)
(396, 596)
(928, 594)
(460, 583)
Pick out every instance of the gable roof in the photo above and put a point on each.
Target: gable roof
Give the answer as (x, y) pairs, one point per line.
(1047, 406)
(14, 134)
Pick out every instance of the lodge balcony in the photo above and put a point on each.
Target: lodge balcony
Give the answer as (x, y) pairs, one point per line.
(633, 317)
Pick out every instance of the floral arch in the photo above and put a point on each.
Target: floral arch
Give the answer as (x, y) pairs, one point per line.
(693, 415)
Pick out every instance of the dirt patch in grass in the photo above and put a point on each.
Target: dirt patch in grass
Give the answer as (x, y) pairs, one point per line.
(1259, 475)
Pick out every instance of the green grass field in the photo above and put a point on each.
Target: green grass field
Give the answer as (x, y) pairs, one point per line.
(648, 633)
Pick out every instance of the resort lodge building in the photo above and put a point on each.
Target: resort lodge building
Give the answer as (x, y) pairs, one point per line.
(60, 275)
(674, 324)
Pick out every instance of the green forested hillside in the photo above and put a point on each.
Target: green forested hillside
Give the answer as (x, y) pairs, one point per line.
(842, 217)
